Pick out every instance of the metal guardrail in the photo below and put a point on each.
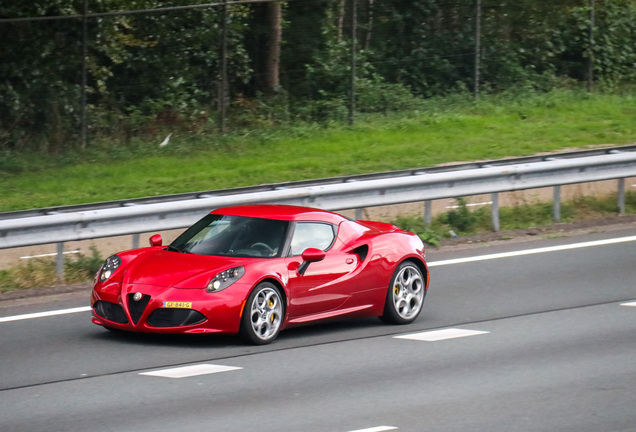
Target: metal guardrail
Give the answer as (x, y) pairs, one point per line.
(353, 193)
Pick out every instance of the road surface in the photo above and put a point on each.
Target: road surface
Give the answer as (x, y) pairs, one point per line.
(536, 336)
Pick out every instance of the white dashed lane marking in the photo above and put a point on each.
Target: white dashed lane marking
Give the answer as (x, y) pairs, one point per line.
(376, 429)
(190, 371)
(438, 335)
(633, 304)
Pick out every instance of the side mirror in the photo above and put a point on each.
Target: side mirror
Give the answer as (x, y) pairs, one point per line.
(156, 240)
(310, 255)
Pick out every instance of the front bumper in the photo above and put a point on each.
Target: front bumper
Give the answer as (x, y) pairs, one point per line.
(153, 309)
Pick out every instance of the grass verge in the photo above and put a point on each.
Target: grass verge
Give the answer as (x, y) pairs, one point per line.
(464, 222)
(40, 272)
(438, 131)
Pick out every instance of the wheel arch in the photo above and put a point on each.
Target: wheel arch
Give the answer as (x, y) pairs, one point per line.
(417, 262)
(274, 282)
(421, 265)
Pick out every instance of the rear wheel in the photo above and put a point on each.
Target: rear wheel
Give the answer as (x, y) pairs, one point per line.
(263, 315)
(405, 295)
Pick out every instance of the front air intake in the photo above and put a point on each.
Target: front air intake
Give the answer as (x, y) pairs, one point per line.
(110, 311)
(169, 317)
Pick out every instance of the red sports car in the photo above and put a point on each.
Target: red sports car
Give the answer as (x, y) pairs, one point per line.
(257, 269)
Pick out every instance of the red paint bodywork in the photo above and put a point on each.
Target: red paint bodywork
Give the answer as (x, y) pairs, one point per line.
(351, 280)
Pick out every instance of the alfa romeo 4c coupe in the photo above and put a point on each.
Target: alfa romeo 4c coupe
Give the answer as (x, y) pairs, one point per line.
(255, 270)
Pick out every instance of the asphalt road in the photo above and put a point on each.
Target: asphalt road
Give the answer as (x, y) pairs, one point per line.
(553, 349)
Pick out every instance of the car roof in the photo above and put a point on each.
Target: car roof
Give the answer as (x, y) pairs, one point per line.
(282, 212)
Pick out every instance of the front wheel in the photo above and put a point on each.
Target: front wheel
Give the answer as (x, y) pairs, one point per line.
(263, 315)
(405, 295)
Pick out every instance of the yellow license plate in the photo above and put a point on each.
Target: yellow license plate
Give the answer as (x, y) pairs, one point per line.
(177, 305)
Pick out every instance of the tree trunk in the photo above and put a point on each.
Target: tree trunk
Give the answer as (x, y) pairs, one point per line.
(367, 41)
(275, 32)
(341, 17)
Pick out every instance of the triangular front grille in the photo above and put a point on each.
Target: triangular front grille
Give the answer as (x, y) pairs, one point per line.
(136, 308)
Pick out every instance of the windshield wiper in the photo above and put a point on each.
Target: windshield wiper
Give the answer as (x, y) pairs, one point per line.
(174, 249)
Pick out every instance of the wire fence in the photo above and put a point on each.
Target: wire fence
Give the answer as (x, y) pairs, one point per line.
(205, 64)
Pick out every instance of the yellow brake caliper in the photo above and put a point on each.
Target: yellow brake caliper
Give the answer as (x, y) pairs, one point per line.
(271, 304)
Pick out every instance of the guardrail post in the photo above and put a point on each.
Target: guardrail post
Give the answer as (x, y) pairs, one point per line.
(556, 204)
(428, 212)
(59, 262)
(358, 214)
(495, 211)
(135, 241)
(621, 196)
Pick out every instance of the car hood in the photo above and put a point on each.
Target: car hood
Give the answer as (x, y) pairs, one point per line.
(175, 269)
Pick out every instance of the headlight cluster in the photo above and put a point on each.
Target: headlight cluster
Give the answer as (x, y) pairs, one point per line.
(110, 265)
(225, 279)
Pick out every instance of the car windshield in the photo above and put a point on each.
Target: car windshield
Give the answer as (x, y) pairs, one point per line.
(234, 236)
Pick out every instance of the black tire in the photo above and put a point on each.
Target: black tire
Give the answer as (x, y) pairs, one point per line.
(405, 295)
(115, 331)
(263, 315)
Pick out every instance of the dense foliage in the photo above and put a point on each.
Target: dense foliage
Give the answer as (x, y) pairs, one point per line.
(160, 70)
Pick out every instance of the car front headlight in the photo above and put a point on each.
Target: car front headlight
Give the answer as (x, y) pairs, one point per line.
(110, 265)
(225, 279)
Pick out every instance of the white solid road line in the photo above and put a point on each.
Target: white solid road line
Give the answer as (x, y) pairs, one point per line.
(430, 264)
(50, 254)
(531, 251)
(45, 314)
(470, 205)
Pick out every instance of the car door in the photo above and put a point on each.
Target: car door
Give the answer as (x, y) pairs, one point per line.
(320, 287)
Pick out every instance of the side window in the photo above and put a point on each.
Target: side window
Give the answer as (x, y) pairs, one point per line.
(311, 235)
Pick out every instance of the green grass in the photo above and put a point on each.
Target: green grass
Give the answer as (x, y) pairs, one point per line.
(40, 272)
(440, 131)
